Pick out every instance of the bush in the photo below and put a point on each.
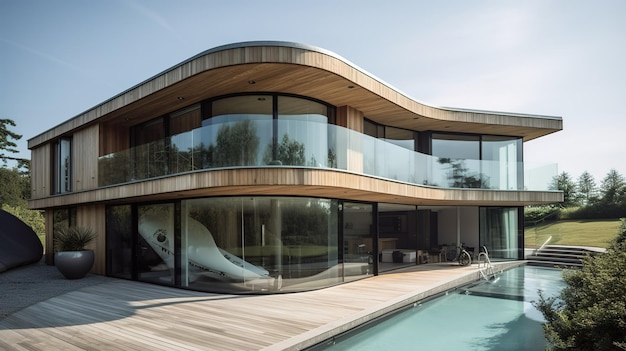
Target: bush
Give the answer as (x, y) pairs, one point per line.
(596, 211)
(33, 218)
(534, 215)
(590, 312)
(73, 238)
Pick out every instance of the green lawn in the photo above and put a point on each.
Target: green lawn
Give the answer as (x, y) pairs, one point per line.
(573, 232)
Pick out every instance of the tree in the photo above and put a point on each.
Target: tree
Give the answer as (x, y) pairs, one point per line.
(236, 145)
(288, 152)
(460, 176)
(565, 183)
(590, 312)
(32, 218)
(586, 186)
(613, 188)
(8, 146)
(14, 187)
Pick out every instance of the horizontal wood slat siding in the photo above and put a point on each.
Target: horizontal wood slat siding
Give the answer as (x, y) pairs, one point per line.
(301, 71)
(295, 182)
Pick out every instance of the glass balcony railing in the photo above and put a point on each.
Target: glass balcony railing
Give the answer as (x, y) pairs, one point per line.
(308, 144)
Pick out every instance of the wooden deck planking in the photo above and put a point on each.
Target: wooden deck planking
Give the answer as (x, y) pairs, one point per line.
(137, 316)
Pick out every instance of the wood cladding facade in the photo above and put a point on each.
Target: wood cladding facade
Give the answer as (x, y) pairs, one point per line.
(279, 68)
(294, 182)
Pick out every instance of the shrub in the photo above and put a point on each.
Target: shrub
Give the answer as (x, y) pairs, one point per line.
(534, 215)
(72, 238)
(590, 312)
(33, 218)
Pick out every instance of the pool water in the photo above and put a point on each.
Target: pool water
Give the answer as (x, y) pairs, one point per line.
(486, 315)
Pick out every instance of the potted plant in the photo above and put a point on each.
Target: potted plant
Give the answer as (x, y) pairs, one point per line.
(70, 257)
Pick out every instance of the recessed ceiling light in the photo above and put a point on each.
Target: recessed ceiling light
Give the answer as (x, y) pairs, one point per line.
(350, 86)
(180, 98)
(251, 82)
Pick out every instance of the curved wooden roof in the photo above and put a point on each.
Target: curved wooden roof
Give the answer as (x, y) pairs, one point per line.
(284, 67)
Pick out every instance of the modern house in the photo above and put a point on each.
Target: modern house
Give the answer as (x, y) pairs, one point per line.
(278, 167)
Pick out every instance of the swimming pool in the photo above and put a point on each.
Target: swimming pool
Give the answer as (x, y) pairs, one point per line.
(486, 315)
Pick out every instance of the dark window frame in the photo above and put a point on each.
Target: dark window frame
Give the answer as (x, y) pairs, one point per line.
(62, 183)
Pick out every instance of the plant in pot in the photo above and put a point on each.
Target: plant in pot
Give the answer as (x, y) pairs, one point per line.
(71, 257)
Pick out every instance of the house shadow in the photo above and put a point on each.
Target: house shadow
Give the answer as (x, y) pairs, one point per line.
(518, 334)
(38, 296)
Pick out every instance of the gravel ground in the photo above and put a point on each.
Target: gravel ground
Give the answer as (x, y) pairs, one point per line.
(24, 286)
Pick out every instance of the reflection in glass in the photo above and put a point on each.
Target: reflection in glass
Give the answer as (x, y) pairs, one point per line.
(358, 249)
(155, 243)
(312, 144)
(498, 231)
(119, 241)
(274, 130)
(506, 156)
(185, 145)
(260, 244)
(63, 166)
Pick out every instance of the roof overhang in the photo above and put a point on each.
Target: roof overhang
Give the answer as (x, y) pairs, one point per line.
(294, 69)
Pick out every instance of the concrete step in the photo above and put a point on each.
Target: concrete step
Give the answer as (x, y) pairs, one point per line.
(561, 256)
(553, 264)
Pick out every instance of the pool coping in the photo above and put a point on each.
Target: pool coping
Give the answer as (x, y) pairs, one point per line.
(327, 333)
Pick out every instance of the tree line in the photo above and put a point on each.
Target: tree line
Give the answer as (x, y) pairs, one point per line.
(584, 198)
(15, 180)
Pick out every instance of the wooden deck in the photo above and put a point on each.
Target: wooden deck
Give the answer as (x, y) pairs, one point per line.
(126, 315)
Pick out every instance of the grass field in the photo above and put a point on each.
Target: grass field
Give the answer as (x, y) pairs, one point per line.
(573, 232)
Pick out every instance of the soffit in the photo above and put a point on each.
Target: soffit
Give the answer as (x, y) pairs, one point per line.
(293, 70)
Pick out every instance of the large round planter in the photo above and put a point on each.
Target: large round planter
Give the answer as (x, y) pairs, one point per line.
(74, 264)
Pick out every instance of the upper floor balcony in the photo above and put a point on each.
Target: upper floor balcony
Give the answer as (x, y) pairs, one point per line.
(298, 143)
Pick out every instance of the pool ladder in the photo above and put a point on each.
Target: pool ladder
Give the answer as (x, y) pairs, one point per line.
(485, 268)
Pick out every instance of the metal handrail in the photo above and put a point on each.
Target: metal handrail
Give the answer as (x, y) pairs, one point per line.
(488, 269)
(544, 244)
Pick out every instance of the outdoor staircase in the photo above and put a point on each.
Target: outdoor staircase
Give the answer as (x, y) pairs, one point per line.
(561, 256)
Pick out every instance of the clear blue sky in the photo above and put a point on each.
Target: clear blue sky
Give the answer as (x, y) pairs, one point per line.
(552, 57)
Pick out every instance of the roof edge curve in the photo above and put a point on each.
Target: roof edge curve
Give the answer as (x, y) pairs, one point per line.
(295, 45)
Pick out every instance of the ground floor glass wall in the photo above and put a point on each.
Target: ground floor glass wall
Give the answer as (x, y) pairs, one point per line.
(259, 244)
(286, 244)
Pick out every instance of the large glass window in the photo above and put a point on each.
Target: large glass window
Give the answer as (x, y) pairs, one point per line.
(397, 236)
(62, 176)
(150, 157)
(499, 231)
(457, 162)
(503, 162)
(156, 243)
(401, 137)
(302, 137)
(262, 244)
(359, 251)
(64, 217)
(240, 129)
(455, 146)
(119, 241)
(185, 145)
